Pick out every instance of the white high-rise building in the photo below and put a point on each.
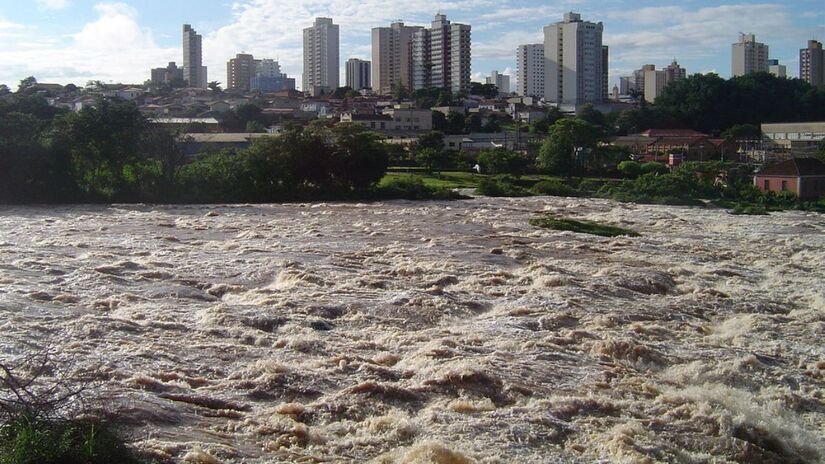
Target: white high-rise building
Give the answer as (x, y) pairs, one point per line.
(193, 70)
(441, 56)
(358, 74)
(574, 66)
(267, 67)
(321, 63)
(501, 81)
(392, 57)
(530, 63)
(748, 56)
(655, 81)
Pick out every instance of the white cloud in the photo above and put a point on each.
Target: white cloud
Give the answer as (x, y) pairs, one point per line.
(112, 48)
(52, 4)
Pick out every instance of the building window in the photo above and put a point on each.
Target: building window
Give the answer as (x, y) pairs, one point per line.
(784, 185)
(767, 185)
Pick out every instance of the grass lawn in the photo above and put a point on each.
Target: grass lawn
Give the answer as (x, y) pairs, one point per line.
(459, 179)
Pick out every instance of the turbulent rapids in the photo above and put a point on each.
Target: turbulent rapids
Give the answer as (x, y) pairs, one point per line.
(430, 332)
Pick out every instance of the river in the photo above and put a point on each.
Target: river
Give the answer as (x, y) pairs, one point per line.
(443, 332)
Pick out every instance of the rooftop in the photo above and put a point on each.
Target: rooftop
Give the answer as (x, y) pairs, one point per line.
(795, 167)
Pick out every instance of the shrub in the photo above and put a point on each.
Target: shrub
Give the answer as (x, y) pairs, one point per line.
(413, 188)
(554, 188)
(653, 167)
(584, 227)
(39, 422)
(500, 187)
(630, 169)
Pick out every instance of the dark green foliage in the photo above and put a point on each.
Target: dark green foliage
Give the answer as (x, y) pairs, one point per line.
(483, 90)
(584, 227)
(743, 131)
(653, 167)
(630, 169)
(503, 161)
(501, 187)
(708, 103)
(413, 188)
(41, 441)
(432, 96)
(38, 411)
(554, 188)
(558, 153)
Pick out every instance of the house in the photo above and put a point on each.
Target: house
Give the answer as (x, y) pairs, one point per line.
(658, 143)
(203, 125)
(804, 177)
(479, 141)
(195, 143)
(396, 121)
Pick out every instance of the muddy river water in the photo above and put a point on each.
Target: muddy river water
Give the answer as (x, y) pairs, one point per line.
(444, 332)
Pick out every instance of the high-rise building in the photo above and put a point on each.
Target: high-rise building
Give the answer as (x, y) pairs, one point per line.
(358, 74)
(321, 63)
(194, 72)
(392, 57)
(501, 81)
(267, 68)
(269, 78)
(605, 72)
(748, 56)
(812, 64)
(530, 69)
(171, 73)
(655, 81)
(240, 71)
(778, 70)
(574, 66)
(441, 56)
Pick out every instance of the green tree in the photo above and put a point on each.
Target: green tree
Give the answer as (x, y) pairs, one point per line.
(567, 137)
(431, 158)
(483, 90)
(214, 86)
(26, 85)
(503, 161)
(103, 140)
(742, 131)
(431, 139)
(455, 123)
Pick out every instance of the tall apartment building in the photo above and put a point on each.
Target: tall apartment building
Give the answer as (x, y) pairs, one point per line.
(321, 63)
(269, 78)
(501, 81)
(748, 56)
(392, 57)
(530, 70)
(655, 81)
(605, 72)
(441, 56)
(812, 64)
(777, 69)
(194, 72)
(170, 73)
(574, 67)
(358, 74)
(240, 71)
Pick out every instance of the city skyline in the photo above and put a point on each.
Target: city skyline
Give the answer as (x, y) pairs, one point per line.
(66, 41)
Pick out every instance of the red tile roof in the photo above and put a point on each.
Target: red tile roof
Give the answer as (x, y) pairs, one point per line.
(795, 167)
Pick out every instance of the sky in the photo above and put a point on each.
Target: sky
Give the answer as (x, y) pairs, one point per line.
(63, 41)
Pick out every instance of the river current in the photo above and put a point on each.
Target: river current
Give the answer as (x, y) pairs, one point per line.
(439, 332)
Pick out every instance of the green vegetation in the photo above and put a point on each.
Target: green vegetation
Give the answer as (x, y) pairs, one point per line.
(410, 187)
(39, 441)
(501, 187)
(39, 424)
(555, 188)
(584, 227)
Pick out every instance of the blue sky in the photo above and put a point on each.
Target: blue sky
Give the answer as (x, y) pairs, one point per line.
(79, 40)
